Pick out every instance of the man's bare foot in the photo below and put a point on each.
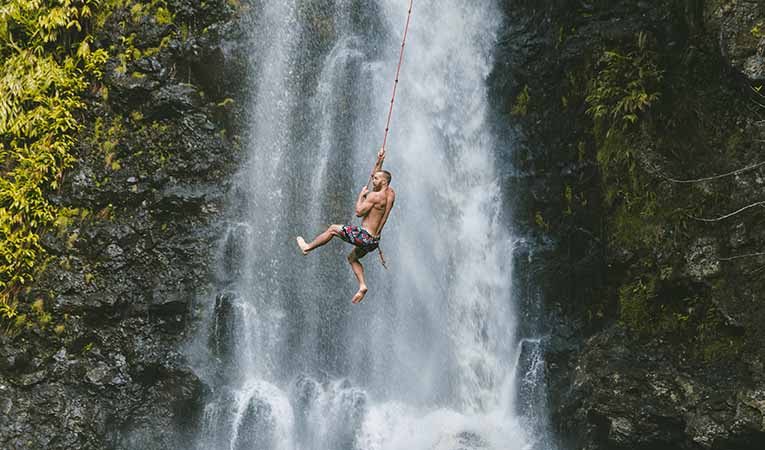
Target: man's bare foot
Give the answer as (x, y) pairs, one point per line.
(303, 246)
(360, 295)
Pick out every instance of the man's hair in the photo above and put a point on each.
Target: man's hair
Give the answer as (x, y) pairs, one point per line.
(387, 176)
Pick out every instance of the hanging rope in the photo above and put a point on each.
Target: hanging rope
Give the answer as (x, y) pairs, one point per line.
(398, 71)
(392, 100)
(395, 83)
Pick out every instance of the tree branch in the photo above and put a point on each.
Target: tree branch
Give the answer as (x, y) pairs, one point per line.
(749, 255)
(757, 103)
(717, 219)
(716, 177)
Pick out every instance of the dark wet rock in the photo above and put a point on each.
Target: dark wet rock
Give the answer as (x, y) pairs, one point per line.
(466, 440)
(469, 440)
(223, 326)
(702, 259)
(305, 390)
(174, 100)
(741, 28)
(221, 60)
(629, 395)
(257, 426)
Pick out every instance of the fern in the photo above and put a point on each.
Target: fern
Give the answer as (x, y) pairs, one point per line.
(46, 68)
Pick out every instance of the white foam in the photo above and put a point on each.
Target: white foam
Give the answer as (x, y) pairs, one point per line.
(397, 426)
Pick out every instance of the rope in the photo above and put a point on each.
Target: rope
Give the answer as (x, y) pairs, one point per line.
(398, 72)
(392, 100)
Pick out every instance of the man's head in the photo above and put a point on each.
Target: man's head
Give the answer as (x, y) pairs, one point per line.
(381, 179)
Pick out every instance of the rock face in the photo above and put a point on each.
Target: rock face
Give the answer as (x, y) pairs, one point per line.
(160, 143)
(741, 26)
(648, 285)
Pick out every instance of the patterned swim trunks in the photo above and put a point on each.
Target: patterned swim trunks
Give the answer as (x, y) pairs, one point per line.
(359, 237)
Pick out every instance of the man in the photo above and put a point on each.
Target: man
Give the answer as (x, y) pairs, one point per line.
(374, 207)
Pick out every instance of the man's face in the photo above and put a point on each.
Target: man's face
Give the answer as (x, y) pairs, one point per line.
(377, 180)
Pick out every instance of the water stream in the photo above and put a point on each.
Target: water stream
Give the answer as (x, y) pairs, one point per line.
(430, 359)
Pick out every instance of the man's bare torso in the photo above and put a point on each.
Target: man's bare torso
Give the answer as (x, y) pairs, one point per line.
(374, 220)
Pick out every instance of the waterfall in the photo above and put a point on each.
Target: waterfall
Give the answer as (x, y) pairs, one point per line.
(430, 359)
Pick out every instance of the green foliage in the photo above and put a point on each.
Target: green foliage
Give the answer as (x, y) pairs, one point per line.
(641, 310)
(712, 342)
(695, 320)
(39, 22)
(163, 16)
(722, 347)
(635, 222)
(625, 87)
(539, 220)
(758, 31)
(47, 61)
(521, 106)
(225, 102)
(38, 308)
(635, 301)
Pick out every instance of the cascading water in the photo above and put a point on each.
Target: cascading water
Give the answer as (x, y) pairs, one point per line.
(429, 360)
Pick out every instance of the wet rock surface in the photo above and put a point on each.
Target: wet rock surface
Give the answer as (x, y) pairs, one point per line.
(159, 144)
(741, 34)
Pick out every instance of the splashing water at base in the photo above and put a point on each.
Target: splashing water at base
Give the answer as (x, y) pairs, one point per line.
(398, 426)
(428, 361)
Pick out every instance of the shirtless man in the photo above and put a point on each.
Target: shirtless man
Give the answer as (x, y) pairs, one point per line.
(374, 207)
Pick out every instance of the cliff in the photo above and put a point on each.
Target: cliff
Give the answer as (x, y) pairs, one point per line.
(639, 186)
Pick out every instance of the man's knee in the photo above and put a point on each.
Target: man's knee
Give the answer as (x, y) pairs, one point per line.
(352, 258)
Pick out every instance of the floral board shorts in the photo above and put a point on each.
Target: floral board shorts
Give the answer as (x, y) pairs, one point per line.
(359, 237)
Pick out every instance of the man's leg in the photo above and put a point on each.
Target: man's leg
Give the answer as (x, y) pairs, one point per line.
(358, 270)
(323, 238)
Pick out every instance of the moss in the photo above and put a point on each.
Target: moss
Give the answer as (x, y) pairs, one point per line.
(650, 309)
(758, 31)
(568, 196)
(634, 224)
(714, 341)
(635, 303)
(540, 221)
(521, 106)
(721, 348)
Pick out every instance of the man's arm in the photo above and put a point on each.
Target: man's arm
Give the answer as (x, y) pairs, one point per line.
(363, 203)
(380, 159)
